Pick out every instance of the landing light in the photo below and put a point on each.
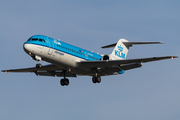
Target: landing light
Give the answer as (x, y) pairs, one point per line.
(172, 57)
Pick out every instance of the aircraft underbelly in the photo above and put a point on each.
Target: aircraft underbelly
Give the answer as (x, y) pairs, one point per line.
(59, 58)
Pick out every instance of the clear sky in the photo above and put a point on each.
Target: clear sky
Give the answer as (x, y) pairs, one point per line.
(151, 92)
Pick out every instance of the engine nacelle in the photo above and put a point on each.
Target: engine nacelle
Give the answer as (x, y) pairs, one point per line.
(106, 57)
(109, 57)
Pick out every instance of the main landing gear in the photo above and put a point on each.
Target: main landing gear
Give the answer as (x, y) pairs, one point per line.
(64, 81)
(96, 79)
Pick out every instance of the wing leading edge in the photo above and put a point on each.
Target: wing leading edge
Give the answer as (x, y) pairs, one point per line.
(106, 65)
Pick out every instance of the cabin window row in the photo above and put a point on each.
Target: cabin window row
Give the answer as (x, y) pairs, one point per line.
(92, 57)
(71, 50)
(76, 52)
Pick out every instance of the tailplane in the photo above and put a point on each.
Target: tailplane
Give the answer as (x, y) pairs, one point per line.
(122, 47)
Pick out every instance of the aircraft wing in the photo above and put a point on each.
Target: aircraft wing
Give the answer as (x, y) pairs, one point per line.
(48, 70)
(127, 63)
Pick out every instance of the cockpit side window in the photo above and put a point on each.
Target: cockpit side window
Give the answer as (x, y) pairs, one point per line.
(36, 39)
(42, 40)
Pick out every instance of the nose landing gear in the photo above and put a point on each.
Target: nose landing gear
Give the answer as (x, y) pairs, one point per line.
(37, 58)
(38, 65)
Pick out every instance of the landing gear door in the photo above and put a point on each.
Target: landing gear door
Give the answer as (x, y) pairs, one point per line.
(51, 46)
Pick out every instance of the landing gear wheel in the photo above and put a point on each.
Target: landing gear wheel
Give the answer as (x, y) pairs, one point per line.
(38, 65)
(96, 79)
(64, 82)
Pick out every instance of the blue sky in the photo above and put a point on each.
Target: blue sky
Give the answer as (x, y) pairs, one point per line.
(150, 92)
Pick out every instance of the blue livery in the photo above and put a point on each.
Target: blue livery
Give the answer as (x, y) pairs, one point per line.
(64, 47)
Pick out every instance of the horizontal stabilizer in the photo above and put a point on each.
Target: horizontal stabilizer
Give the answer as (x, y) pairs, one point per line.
(129, 44)
(140, 43)
(109, 46)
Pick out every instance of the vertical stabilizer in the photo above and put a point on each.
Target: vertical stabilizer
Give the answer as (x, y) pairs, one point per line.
(120, 51)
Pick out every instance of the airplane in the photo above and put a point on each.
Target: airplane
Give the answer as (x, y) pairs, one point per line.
(69, 61)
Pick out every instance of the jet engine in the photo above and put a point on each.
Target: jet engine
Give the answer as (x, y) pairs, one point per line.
(106, 57)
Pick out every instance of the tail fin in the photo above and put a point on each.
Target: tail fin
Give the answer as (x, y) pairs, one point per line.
(121, 50)
(122, 47)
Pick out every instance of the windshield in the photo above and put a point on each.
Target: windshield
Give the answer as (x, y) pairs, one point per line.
(36, 39)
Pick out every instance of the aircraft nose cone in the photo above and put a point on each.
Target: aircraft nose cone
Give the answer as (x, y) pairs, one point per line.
(26, 48)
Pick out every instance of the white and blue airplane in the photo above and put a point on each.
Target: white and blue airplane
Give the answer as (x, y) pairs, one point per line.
(69, 61)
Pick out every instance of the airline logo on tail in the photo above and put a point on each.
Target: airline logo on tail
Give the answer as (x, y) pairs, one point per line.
(119, 52)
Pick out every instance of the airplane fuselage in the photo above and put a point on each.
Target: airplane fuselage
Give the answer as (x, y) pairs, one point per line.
(60, 53)
(69, 61)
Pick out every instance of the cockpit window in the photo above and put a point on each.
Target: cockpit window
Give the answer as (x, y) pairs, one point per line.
(29, 39)
(42, 40)
(34, 39)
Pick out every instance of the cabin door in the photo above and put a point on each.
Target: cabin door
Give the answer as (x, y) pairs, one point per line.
(51, 46)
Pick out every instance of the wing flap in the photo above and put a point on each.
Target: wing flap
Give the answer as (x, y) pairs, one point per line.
(53, 73)
(44, 74)
(131, 66)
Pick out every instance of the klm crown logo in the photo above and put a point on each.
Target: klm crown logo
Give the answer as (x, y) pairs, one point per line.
(57, 42)
(119, 52)
(120, 48)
